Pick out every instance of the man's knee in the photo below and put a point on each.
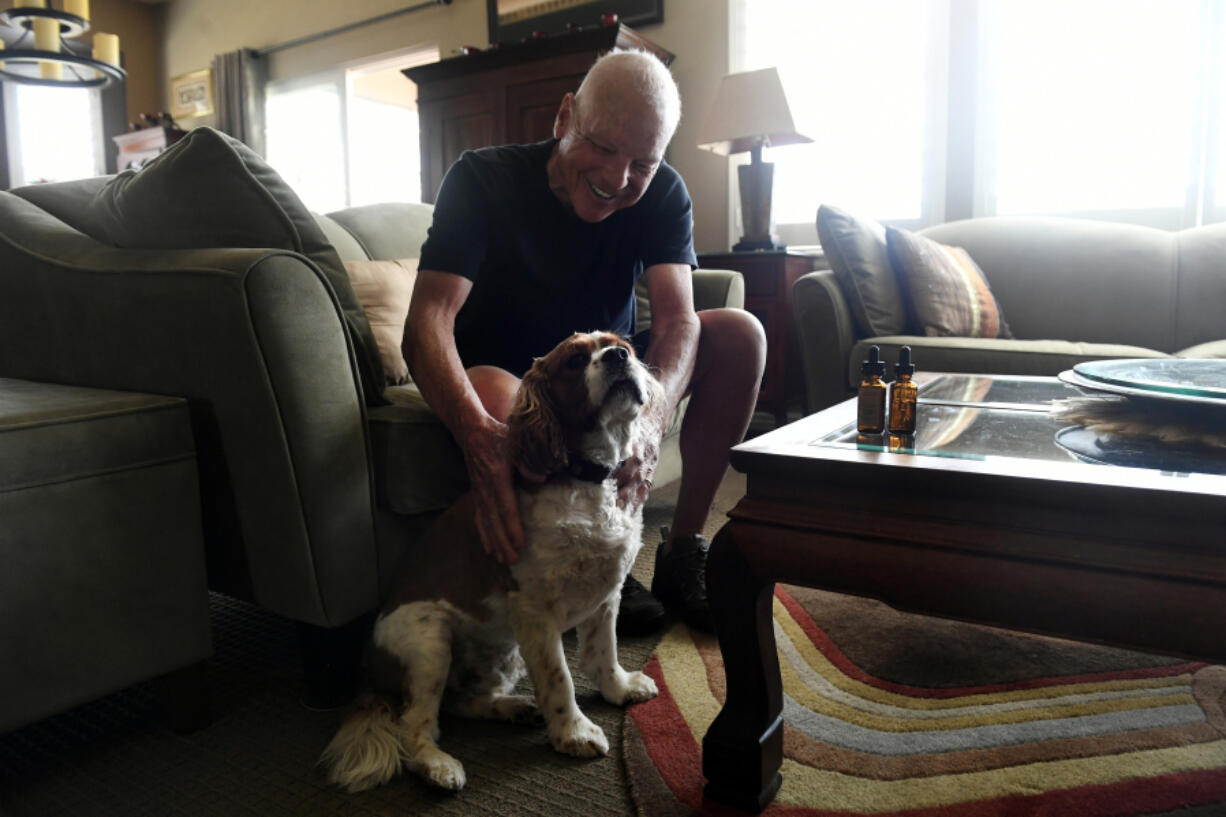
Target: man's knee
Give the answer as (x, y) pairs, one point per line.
(732, 337)
(495, 389)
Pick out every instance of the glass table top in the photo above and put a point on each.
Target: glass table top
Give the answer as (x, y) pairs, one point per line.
(1190, 377)
(973, 417)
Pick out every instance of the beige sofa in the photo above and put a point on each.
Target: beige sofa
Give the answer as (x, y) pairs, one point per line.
(1071, 290)
(226, 293)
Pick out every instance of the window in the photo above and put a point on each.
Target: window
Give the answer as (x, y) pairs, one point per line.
(54, 135)
(305, 142)
(931, 110)
(1099, 115)
(864, 107)
(348, 138)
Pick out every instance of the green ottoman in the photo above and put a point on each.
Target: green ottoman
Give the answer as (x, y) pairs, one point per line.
(102, 580)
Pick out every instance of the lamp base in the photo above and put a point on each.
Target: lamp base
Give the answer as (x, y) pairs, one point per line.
(756, 179)
(752, 244)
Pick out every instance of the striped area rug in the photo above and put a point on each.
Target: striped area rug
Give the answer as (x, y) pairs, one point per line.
(894, 714)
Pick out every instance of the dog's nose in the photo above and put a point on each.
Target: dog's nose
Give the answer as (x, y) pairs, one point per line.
(619, 353)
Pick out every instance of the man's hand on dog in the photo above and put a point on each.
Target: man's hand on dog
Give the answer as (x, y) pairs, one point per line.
(636, 473)
(493, 484)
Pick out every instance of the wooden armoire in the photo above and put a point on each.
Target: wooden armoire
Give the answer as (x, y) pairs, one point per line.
(507, 95)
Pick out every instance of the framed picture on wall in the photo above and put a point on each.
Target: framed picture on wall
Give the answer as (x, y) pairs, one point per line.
(192, 94)
(513, 20)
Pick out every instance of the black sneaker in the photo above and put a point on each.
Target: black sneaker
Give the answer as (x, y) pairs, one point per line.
(680, 579)
(639, 612)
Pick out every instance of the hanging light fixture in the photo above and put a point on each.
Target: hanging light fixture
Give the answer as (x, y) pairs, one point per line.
(45, 52)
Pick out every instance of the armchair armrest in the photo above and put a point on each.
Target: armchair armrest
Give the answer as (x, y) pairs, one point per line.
(825, 335)
(714, 288)
(254, 339)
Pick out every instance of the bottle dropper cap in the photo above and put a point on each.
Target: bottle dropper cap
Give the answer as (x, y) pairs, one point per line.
(904, 365)
(874, 364)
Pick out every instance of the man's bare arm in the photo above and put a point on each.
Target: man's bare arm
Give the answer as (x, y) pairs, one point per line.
(670, 355)
(674, 331)
(430, 350)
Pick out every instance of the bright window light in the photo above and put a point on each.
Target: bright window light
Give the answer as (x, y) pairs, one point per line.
(1097, 104)
(384, 157)
(58, 134)
(349, 137)
(305, 145)
(864, 107)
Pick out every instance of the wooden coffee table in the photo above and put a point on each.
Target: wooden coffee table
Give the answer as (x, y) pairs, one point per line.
(983, 517)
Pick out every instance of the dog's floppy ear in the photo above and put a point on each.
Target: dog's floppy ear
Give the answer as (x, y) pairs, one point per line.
(538, 444)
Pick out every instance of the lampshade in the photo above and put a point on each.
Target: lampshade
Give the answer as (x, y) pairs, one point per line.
(750, 110)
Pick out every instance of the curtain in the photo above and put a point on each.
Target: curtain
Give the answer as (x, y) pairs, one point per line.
(238, 93)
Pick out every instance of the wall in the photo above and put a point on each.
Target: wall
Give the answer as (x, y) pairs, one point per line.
(695, 30)
(139, 28)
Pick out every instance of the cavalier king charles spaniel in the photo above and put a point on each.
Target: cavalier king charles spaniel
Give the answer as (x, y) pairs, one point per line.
(459, 629)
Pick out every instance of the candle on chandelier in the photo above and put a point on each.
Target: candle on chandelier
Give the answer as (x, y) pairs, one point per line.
(47, 38)
(106, 48)
(77, 7)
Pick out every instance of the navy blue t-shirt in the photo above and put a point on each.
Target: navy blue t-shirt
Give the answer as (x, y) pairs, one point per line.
(539, 272)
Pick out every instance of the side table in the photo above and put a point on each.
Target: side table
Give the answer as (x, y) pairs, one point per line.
(769, 275)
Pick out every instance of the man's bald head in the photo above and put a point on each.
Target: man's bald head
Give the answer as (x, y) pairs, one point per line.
(612, 134)
(632, 83)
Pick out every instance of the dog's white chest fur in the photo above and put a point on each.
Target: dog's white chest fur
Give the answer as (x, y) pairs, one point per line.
(578, 547)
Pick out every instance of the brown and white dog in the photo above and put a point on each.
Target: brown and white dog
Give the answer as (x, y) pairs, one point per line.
(458, 622)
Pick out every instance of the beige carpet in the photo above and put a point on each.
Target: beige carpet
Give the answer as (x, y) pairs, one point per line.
(115, 757)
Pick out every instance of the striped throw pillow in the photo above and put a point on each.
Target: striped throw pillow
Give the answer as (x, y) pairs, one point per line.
(945, 291)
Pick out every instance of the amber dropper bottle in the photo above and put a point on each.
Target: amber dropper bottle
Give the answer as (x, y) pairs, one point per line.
(870, 408)
(903, 394)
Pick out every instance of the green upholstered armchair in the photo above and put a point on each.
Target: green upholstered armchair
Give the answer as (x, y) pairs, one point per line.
(203, 276)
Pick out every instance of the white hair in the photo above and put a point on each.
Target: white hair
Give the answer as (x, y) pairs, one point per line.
(641, 73)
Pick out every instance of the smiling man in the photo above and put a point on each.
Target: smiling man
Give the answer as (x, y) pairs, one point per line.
(533, 242)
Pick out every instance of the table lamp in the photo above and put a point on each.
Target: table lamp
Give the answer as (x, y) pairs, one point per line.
(749, 113)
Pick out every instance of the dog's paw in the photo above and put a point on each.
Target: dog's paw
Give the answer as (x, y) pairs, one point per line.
(520, 709)
(578, 737)
(440, 769)
(631, 688)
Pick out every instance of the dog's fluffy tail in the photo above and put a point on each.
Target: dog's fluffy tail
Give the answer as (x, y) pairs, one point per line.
(366, 751)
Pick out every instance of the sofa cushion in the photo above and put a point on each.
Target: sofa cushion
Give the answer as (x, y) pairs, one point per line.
(384, 288)
(945, 291)
(1045, 358)
(1117, 283)
(1212, 349)
(389, 230)
(211, 190)
(346, 246)
(856, 250)
(69, 202)
(1201, 286)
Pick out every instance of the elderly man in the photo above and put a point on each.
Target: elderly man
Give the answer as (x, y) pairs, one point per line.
(533, 242)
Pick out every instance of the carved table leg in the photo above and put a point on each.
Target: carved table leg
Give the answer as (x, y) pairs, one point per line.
(743, 749)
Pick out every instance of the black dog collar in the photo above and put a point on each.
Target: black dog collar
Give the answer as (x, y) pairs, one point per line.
(584, 469)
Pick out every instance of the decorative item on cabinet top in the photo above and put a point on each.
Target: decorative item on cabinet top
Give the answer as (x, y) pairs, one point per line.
(512, 21)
